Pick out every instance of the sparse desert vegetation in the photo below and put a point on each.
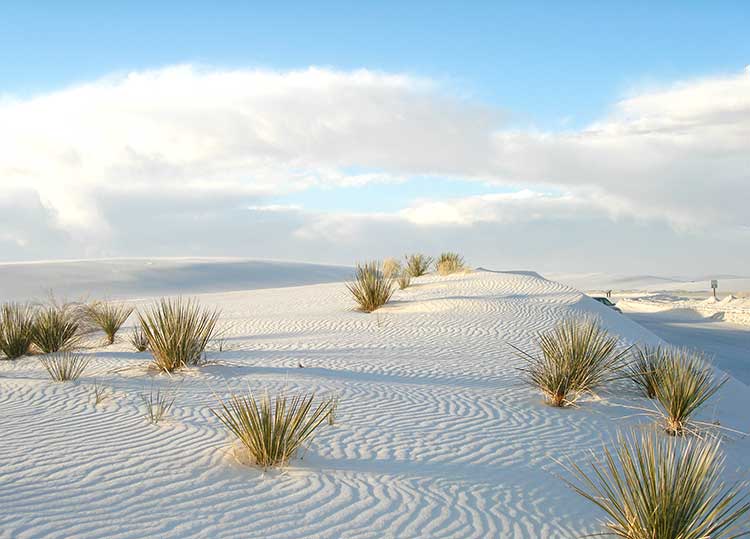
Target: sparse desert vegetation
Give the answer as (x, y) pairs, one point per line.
(158, 402)
(177, 331)
(418, 264)
(109, 317)
(404, 280)
(577, 356)
(57, 328)
(64, 366)
(645, 368)
(651, 487)
(16, 329)
(371, 289)
(448, 263)
(273, 430)
(138, 339)
(391, 268)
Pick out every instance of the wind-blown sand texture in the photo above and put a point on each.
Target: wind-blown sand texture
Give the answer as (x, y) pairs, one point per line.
(436, 434)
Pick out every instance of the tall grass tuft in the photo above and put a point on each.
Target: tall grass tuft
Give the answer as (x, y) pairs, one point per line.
(272, 431)
(655, 488)
(577, 356)
(64, 366)
(370, 289)
(685, 382)
(16, 329)
(418, 264)
(109, 317)
(177, 332)
(391, 267)
(158, 404)
(138, 339)
(404, 280)
(645, 368)
(57, 328)
(448, 263)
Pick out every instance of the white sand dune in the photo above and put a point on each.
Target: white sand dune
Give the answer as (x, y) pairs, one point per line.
(436, 435)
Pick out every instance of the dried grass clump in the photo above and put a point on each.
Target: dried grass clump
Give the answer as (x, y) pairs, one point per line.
(177, 332)
(404, 280)
(16, 329)
(391, 268)
(418, 264)
(656, 488)
(577, 356)
(371, 289)
(57, 328)
(272, 431)
(109, 317)
(64, 366)
(138, 339)
(448, 263)
(684, 384)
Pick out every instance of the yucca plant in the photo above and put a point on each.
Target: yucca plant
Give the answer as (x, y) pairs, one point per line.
(655, 488)
(109, 317)
(177, 332)
(99, 392)
(391, 267)
(685, 382)
(370, 289)
(272, 431)
(158, 404)
(57, 328)
(16, 329)
(448, 263)
(138, 339)
(577, 356)
(404, 280)
(418, 264)
(64, 366)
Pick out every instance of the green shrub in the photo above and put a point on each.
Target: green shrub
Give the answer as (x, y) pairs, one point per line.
(64, 366)
(16, 329)
(177, 332)
(273, 431)
(370, 289)
(577, 356)
(418, 264)
(109, 317)
(448, 263)
(645, 367)
(656, 488)
(57, 328)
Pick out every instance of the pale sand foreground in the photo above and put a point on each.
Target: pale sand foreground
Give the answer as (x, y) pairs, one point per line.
(436, 434)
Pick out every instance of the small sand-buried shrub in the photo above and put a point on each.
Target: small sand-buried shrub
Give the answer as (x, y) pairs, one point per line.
(57, 328)
(177, 332)
(138, 339)
(577, 356)
(418, 264)
(64, 366)
(158, 403)
(448, 263)
(685, 382)
(370, 289)
(16, 329)
(656, 488)
(272, 431)
(391, 267)
(109, 317)
(404, 280)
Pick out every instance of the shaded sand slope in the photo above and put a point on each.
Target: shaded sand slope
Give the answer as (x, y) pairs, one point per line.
(435, 437)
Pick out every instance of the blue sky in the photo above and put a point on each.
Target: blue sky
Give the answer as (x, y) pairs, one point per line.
(340, 119)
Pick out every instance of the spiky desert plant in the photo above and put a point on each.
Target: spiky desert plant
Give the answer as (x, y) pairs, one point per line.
(16, 329)
(272, 431)
(577, 356)
(448, 263)
(685, 382)
(56, 328)
(644, 368)
(138, 339)
(109, 317)
(404, 280)
(158, 403)
(391, 267)
(370, 289)
(99, 391)
(335, 399)
(651, 487)
(418, 264)
(177, 332)
(64, 366)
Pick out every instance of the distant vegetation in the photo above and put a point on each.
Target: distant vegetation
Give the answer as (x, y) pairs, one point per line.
(109, 317)
(448, 263)
(57, 328)
(391, 268)
(64, 366)
(404, 280)
(16, 329)
(371, 289)
(418, 264)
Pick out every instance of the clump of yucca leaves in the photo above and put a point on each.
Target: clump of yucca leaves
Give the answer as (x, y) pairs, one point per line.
(109, 317)
(645, 367)
(16, 329)
(57, 328)
(418, 264)
(653, 487)
(64, 366)
(272, 431)
(177, 332)
(391, 267)
(371, 288)
(685, 382)
(138, 339)
(448, 263)
(404, 280)
(158, 403)
(577, 356)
